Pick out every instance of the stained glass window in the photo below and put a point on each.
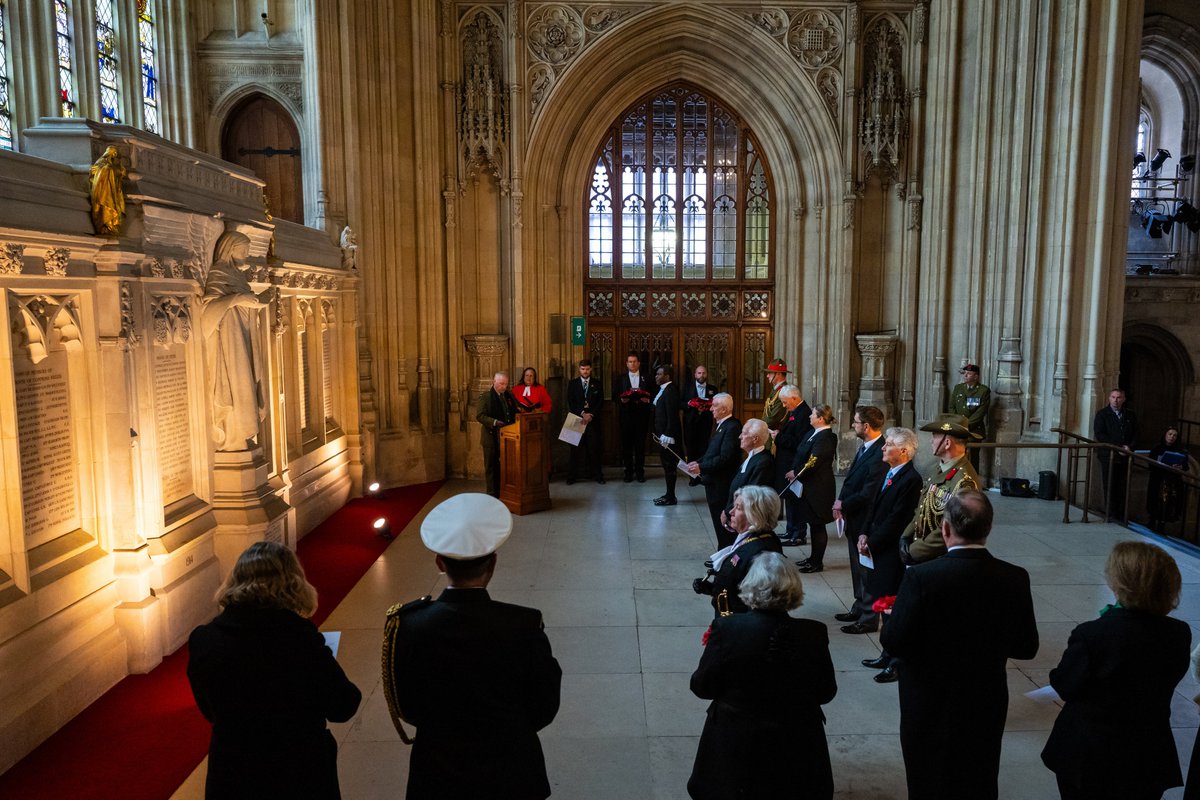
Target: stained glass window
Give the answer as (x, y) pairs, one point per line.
(6, 134)
(146, 52)
(66, 74)
(106, 46)
(695, 198)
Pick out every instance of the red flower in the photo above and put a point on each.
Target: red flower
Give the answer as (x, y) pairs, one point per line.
(884, 604)
(633, 395)
(704, 638)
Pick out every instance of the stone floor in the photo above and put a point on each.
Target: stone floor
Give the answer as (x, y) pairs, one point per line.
(611, 573)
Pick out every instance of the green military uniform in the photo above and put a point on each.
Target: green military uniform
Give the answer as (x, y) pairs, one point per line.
(773, 409)
(974, 403)
(924, 533)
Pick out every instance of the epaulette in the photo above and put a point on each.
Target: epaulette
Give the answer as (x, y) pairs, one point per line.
(400, 608)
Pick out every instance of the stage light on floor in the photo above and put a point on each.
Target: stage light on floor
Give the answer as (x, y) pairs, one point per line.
(373, 489)
(382, 529)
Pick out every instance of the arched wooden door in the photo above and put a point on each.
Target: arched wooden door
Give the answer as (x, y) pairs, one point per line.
(261, 136)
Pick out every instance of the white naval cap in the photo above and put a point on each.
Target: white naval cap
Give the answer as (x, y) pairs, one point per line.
(466, 526)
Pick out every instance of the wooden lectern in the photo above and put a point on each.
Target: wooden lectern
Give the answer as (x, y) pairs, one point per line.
(524, 479)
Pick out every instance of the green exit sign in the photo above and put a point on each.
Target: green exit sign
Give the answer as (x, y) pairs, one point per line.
(577, 337)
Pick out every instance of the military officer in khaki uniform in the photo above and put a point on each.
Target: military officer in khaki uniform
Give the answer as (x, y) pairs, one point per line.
(922, 539)
(777, 373)
(973, 400)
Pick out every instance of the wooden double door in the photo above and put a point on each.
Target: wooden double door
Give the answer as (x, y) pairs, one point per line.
(736, 358)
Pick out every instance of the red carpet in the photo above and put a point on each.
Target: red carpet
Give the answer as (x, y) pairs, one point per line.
(143, 737)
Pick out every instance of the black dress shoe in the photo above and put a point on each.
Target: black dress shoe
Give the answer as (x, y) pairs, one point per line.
(847, 616)
(889, 675)
(641, 478)
(789, 542)
(629, 477)
(882, 662)
(665, 501)
(600, 479)
(859, 627)
(809, 567)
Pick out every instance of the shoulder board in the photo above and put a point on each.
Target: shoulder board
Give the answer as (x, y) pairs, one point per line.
(400, 608)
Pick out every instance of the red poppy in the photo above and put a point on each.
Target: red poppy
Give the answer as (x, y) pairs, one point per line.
(884, 604)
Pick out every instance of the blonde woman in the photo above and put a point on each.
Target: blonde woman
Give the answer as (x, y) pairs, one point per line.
(263, 676)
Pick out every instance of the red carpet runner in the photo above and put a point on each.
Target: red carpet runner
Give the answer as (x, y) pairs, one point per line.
(143, 737)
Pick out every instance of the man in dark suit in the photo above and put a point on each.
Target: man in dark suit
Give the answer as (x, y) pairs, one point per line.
(854, 503)
(632, 394)
(1115, 424)
(720, 461)
(756, 469)
(794, 428)
(584, 397)
(475, 676)
(667, 430)
(956, 622)
(697, 423)
(896, 498)
(494, 409)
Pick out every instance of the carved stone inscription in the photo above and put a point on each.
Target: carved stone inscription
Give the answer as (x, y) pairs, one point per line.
(172, 415)
(49, 488)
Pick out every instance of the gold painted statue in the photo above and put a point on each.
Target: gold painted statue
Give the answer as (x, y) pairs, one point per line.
(107, 194)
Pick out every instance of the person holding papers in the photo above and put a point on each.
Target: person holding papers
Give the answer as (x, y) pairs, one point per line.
(812, 475)
(1165, 492)
(896, 499)
(753, 518)
(584, 397)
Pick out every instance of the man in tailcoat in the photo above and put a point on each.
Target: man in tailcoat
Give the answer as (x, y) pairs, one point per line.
(1115, 424)
(667, 430)
(793, 429)
(721, 459)
(922, 539)
(475, 676)
(584, 398)
(859, 490)
(632, 393)
(956, 622)
(494, 409)
(697, 424)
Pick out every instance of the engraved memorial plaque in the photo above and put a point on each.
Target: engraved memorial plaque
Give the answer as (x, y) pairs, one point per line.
(172, 415)
(49, 476)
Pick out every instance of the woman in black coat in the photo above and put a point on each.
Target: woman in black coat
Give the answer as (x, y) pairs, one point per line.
(813, 469)
(263, 676)
(1112, 740)
(753, 517)
(1165, 493)
(745, 659)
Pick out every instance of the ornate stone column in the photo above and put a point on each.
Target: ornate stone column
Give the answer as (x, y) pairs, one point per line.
(875, 386)
(489, 354)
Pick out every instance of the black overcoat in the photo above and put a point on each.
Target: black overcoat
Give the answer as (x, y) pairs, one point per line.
(793, 430)
(892, 511)
(861, 485)
(820, 487)
(267, 682)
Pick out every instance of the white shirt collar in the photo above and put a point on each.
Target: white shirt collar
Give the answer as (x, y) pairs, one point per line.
(867, 444)
(967, 547)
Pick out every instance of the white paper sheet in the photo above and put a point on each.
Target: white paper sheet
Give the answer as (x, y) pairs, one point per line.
(572, 429)
(866, 561)
(1046, 694)
(332, 639)
(797, 488)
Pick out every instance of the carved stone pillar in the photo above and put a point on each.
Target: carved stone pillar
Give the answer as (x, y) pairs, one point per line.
(875, 386)
(1008, 408)
(247, 505)
(489, 355)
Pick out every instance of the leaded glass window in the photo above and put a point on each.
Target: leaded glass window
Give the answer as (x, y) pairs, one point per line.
(695, 200)
(106, 45)
(6, 133)
(66, 73)
(149, 61)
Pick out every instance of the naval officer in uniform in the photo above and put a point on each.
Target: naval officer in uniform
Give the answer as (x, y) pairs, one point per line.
(475, 676)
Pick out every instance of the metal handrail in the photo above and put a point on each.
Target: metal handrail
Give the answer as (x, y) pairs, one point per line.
(1077, 447)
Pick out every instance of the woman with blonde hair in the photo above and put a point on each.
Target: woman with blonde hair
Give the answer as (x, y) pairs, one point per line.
(263, 676)
(1112, 740)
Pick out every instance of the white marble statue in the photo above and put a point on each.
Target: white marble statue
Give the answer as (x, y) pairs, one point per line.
(232, 340)
(349, 245)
